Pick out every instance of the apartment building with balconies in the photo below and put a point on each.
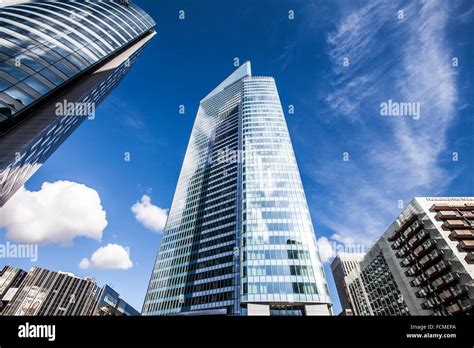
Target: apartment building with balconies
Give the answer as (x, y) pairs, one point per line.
(423, 263)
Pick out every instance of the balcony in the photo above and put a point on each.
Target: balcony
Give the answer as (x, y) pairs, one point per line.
(452, 293)
(403, 226)
(469, 257)
(431, 303)
(461, 306)
(421, 293)
(450, 207)
(437, 269)
(445, 280)
(430, 258)
(402, 252)
(467, 305)
(468, 215)
(413, 271)
(424, 248)
(426, 305)
(457, 224)
(447, 214)
(438, 207)
(417, 239)
(454, 308)
(428, 289)
(397, 244)
(462, 234)
(408, 261)
(410, 231)
(466, 245)
(394, 235)
(419, 280)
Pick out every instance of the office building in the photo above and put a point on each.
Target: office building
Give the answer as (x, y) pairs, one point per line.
(10, 280)
(423, 263)
(341, 266)
(110, 304)
(43, 292)
(58, 61)
(373, 289)
(239, 239)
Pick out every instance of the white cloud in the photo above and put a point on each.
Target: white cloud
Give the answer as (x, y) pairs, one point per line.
(84, 264)
(392, 160)
(112, 256)
(151, 216)
(344, 239)
(326, 251)
(57, 213)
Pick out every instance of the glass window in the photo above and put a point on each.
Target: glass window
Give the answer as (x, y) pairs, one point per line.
(15, 93)
(36, 85)
(4, 84)
(64, 69)
(51, 76)
(12, 70)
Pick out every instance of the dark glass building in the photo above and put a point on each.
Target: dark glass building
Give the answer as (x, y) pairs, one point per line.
(58, 61)
(239, 239)
(110, 304)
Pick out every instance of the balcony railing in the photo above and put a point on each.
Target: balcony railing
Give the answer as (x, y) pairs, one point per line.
(458, 224)
(424, 248)
(413, 271)
(447, 214)
(437, 269)
(402, 227)
(408, 261)
(418, 238)
(461, 306)
(469, 257)
(445, 280)
(433, 256)
(462, 234)
(466, 245)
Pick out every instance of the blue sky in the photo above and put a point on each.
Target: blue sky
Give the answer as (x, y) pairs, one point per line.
(405, 57)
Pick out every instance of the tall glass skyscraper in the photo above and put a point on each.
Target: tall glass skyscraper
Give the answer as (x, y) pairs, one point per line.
(239, 238)
(57, 60)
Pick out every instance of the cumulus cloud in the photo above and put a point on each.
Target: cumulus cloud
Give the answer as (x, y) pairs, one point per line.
(84, 264)
(57, 213)
(347, 240)
(326, 251)
(112, 256)
(151, 216)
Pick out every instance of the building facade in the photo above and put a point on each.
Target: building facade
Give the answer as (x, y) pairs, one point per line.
(10, 280)
(59, 60)
(110, 304)
(373, 289)
(43, 292)
(239, 239)
(341, 266)
(423, 263)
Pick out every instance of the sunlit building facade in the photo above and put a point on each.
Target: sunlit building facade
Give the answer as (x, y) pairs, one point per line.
(341, 266)
(239, 239)
(43, 292)
(422, 265)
